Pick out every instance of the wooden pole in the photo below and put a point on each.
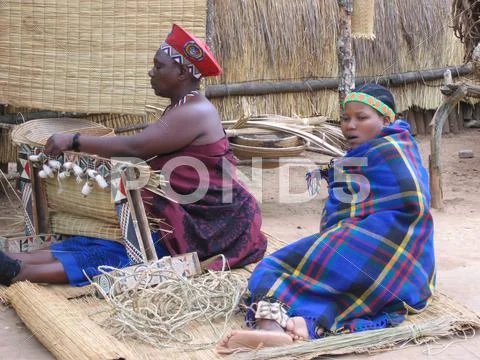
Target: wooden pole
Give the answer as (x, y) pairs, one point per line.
(472, 90)
(210, 33)
(441, 116)
(476, 112)
(18, 119)
(453, 120)
(253, 88)
(461, 116)
(428, 117)
(420, 121)
(412, 122)
(346, 60)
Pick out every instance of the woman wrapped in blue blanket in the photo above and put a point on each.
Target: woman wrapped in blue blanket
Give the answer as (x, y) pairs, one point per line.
(372, 261)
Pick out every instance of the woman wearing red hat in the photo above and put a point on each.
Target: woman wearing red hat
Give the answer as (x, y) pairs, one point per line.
(211, 216)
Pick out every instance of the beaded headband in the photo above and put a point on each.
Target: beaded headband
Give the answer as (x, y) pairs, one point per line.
(371, 101)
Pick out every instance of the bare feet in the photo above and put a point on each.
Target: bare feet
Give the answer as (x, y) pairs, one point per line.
(297, 328)
(246, 340)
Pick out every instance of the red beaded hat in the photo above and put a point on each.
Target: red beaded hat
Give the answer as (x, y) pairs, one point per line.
(186, 49)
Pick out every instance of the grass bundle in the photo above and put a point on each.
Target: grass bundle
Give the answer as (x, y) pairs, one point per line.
(363, 17)
(443, 318)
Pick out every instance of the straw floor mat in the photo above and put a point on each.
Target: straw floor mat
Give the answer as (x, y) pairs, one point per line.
(443, 318)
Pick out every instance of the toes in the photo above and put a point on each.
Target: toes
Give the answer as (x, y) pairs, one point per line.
(290, 326)
(225, 339)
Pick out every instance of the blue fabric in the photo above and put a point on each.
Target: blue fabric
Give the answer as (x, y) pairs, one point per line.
(80, 253)
(372, 256)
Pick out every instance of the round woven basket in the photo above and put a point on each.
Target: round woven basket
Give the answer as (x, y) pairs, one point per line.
(36, 132)
(248, 152)
(279, 140)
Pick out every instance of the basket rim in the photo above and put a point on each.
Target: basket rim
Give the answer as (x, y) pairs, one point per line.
(30, 132)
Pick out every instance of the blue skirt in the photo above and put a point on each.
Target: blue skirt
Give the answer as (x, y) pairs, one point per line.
(80, 254)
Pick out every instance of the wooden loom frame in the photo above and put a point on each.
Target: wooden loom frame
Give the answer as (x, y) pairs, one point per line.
(128, 205)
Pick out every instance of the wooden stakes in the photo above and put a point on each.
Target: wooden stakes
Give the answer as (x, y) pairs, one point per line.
(420, 121)
(453, 120)
(434, 163)
(411, 120)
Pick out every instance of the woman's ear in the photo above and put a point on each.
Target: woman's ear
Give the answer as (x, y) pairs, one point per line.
(184, 72)
(386, 120)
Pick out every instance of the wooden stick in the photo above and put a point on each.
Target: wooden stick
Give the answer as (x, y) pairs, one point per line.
(439, 120)
(411, 120)
(140, 222)
(420, 121)
(16, 119)
(472, 90)
(39, 202)
(254, 88)
(453, 120)
(461, 116)
(346, 59)
(124, 129)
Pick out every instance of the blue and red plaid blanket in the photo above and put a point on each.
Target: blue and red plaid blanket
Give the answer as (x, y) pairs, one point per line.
(372, 261)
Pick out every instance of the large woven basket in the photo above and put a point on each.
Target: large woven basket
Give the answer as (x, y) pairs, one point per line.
(277, 140)
(248, 152)
(36, 132)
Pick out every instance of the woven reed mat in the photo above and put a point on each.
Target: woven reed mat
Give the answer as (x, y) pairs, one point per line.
(71, 213)
(63, 329)
(87, 56)
(444, 318)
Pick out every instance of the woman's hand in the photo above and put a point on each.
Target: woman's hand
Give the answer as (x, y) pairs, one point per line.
(58, 143)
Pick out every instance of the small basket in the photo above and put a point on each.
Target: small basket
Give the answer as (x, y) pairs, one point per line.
(36, 132)
(248, 152)
(279, 140)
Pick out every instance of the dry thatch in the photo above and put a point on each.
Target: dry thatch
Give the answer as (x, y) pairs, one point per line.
(284, 40)
(85, 69)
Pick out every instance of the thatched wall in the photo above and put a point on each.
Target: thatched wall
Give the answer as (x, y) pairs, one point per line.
(293, 40)
(89, 55)
(79, 68)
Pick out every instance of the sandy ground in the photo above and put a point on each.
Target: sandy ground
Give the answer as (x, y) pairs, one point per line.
(288, 216)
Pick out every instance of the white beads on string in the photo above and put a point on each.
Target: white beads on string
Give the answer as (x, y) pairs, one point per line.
(87, 188)
(101, 182)
(50, 167)
(54, 165)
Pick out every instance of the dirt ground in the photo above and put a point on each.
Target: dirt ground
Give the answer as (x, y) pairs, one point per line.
(288, 216)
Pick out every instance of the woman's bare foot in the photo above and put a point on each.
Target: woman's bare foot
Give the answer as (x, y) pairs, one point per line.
(247, 340)
(270, 325)
(297, 328)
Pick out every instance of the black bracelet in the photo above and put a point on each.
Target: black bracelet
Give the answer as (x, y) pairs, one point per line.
(76, 142)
